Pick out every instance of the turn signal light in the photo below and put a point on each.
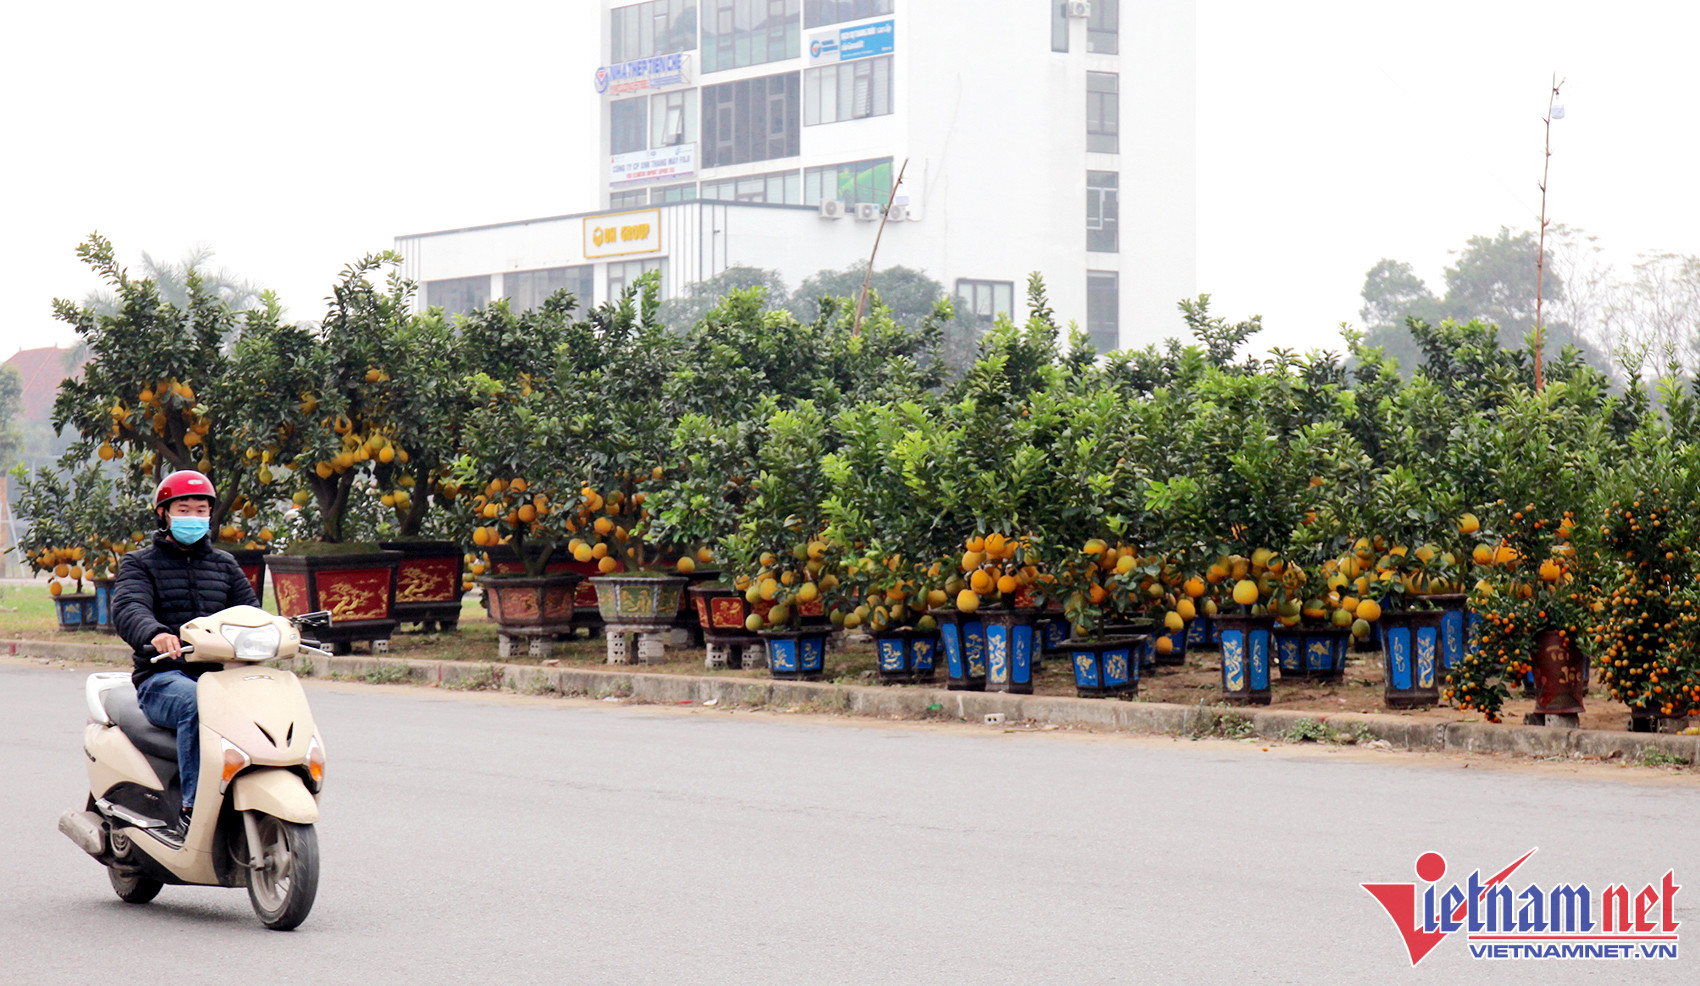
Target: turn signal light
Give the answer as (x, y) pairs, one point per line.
(316, 761)
(235, 761)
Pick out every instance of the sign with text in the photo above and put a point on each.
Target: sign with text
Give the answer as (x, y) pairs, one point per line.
(850, 43)
(678, 161)
(645, 75)
(618, 234)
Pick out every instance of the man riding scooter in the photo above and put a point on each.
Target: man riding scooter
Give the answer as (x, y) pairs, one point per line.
(178, 578)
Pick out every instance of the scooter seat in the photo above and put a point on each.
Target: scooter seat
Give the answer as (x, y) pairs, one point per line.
(126, 713)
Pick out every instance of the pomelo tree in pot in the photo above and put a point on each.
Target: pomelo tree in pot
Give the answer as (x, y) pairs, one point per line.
(80, 526)
(322, 408)
(781, 557)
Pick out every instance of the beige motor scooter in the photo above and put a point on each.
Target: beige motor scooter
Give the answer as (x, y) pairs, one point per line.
(262, 768)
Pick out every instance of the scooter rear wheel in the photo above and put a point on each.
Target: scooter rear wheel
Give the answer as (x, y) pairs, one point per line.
(133, 888)
(282, 893)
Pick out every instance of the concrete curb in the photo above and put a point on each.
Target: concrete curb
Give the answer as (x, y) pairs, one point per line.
(931, 703)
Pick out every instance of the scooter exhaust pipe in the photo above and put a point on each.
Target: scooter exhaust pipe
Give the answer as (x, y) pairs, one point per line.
(85, 829)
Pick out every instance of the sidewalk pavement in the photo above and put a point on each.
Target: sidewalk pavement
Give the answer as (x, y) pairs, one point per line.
(911, 702)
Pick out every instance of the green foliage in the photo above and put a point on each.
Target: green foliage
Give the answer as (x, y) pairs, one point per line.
(323, 400)
(1492, 281)
(159, 391)
(11, 395)
(78, 525)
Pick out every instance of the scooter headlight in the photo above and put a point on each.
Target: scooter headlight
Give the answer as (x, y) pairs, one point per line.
(235, 761)
(253, 643)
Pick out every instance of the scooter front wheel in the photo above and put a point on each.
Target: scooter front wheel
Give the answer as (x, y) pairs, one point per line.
(132, 887)
(283, 888)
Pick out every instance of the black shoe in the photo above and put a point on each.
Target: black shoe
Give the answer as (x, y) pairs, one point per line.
(178, 830)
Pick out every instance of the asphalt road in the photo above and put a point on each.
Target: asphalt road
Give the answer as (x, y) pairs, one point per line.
(489, 839)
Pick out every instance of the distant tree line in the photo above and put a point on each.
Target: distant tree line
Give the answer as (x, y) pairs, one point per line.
(1641, 323)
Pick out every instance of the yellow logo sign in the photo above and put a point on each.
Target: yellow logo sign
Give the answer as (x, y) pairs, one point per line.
(608, 235)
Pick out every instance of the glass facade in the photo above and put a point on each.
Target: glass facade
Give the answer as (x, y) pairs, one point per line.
(673, 193)
(847, 91)
(629, 121)
(751, 120)
(656, 28)
(528, 289)
(782, 187)
(1103, 27)
(1103, 212)
(1103, 309)
(818, 13)
(858, 181)
(1103, 112)
(736, 33)
(1059, 25)
(673, 118)
(986, 300)
(459, 295)
(623, 274)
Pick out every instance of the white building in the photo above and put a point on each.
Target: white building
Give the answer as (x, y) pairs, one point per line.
(1039, 135)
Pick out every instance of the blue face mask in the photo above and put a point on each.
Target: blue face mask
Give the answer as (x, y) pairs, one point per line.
(188, 530)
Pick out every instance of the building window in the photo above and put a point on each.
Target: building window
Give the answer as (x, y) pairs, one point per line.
(629, 120)
(1103, 212)
(737, 33)
(1103, 307)
(847, 91)
(459, 295)
(1059, 25)
(818, 13)
(859, 181)
(628, 200)
(1103, 112)
(673, 193)
(751, 120)
(656, 28)
(528, 289)
(777, 187)
(986, 300)
(672, 119)
(624, 274)
(1103, 27)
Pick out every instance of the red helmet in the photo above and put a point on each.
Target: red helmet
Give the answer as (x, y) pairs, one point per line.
(183, 483)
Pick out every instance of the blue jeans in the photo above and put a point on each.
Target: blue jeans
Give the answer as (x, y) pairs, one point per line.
(168, 700)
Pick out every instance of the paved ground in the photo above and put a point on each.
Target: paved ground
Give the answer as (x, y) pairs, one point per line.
(488, 839)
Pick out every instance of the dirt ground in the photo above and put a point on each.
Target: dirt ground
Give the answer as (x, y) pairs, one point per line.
(1199, 680)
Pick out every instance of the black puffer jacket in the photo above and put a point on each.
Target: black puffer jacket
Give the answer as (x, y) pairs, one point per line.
(164, 586)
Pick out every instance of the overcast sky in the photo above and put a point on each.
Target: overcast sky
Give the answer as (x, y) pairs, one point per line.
(292, 139)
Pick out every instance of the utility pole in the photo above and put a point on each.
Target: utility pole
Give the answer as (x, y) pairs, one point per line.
(1541, 249)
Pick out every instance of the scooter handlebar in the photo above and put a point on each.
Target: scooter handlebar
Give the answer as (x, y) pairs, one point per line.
(186, 649)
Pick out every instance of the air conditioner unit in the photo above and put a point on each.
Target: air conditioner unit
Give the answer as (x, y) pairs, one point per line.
(868, 212)
(831, 209)
(897, 214)
(1079, 8)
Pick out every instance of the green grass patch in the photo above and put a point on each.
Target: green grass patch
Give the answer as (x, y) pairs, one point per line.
(1217, 722)
(1652, 756)
(27, 611)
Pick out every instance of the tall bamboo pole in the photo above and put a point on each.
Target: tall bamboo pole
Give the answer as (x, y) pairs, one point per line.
(1541, 249)
(868, 279)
